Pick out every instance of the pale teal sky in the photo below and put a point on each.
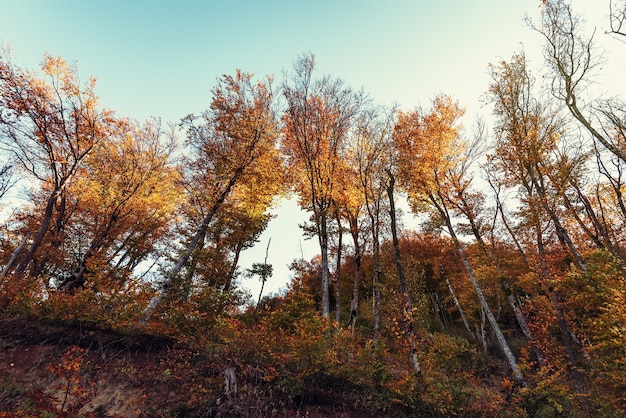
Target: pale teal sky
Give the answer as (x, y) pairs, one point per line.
(158, 58)
(161, 58)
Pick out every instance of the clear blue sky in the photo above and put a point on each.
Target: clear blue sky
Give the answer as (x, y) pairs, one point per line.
(158, 58)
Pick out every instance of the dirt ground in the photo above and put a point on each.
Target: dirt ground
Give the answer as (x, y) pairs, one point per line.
(104, 374)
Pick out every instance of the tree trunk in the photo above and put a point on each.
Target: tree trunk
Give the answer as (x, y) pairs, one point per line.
(456, 302)
(338, 271)
(376, 296)
(502, 342)
(43, 229)
(77, 277)
(374, 215)
(404, 289)
(354, 304)
(519, 315)
(265, 274)
(14, 257)
(564, 329)
(480, 331)
(323, 240)
(182, 261)
(521, 320)
(561, 233)
(233, 268)
(507, 226)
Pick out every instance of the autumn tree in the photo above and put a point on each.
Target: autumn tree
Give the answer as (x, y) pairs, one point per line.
(238, 224)
(316, 122)
(527, 134)
(233, 140)
(370, 150)
(406, 295)
(600, 321)
(49, 126)
(431, 139)
(123, 203)
(574, 61)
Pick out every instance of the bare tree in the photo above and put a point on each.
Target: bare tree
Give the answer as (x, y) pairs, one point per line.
(573, 59)
(617, 19)
(7, 178)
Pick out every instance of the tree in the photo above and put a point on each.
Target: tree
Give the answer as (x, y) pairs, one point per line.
(617, 19)
(571, 58)
(50, 127)
(530, 133)
(527, 133)
(7, 178)
(317, 120)
(233, 140)
(372, 153)
(123, 203)
(407, 299)
(470, 204)
(264, 271)
(349, 203)
(430, 148)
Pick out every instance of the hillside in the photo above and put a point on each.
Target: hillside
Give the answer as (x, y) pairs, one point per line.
(65, 371)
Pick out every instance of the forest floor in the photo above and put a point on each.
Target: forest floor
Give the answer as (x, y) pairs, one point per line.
(72, 371)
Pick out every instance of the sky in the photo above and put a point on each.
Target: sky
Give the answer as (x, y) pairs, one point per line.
(161, 58)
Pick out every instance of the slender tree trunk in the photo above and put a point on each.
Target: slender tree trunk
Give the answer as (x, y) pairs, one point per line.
(14, 257)
(406, 296)
(354, 304)
(373, 210)
(323, 240)
(456, 302)
(233, 268)
(480, 331)
(507, 226)
(617, 184)
(77, 277)
(602, 231)
(519, 315)
(376, 296)
(404, 289)
(194, 259)
(264, 276)
(502, 342)
(561, 232)
(521, 320)
(564, 329)
(182, 261)
(338, 271)
(38, 240)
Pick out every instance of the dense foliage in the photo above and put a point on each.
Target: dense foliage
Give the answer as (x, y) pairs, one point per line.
(510, 299)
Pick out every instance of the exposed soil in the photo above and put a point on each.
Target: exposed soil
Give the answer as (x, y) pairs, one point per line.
(116, 375)
(104, 381)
